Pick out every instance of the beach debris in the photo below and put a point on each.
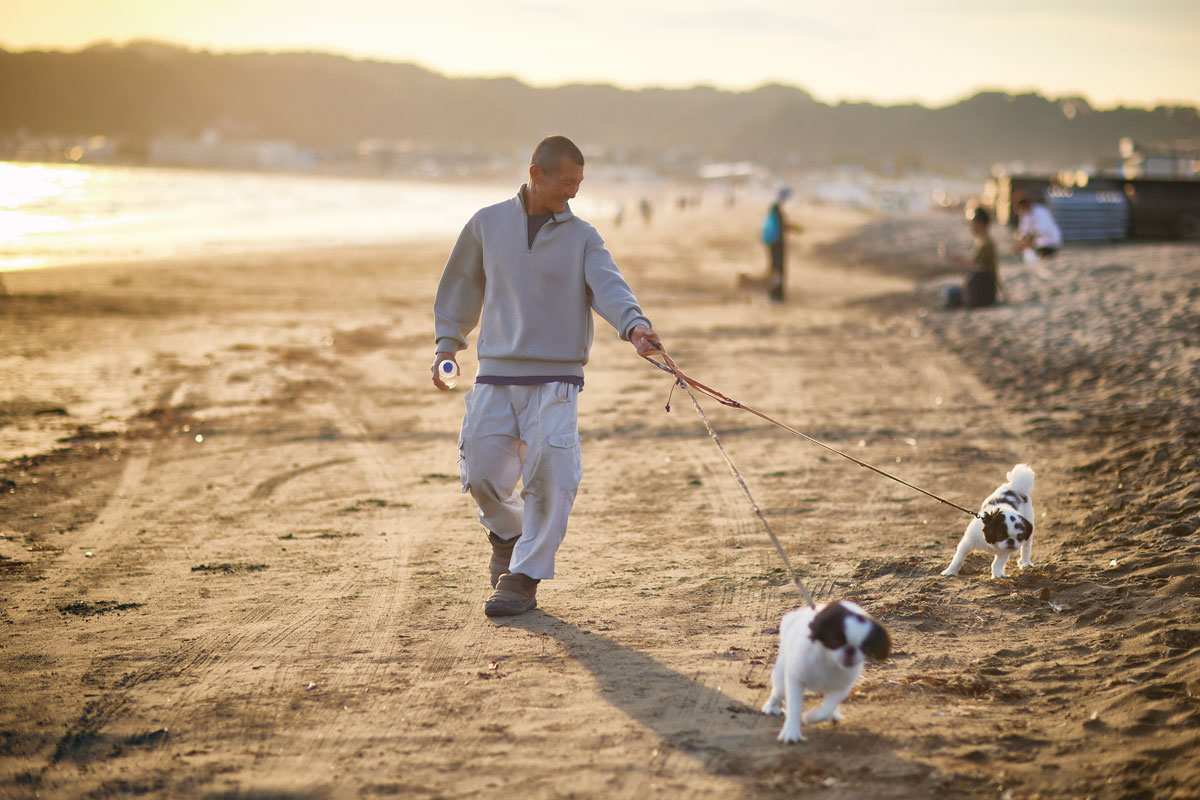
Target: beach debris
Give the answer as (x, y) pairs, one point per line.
(88, 608)
(228, 569)
(148, 738)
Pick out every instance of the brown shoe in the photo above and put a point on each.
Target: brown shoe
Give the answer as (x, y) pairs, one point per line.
(515, 594)
(501, 555)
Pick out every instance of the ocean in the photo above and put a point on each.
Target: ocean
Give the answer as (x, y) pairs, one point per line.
(57, 214)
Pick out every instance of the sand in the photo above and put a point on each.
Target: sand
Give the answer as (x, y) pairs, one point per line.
(236, 561)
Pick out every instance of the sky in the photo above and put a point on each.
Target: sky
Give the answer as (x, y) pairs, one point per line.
(886, 51)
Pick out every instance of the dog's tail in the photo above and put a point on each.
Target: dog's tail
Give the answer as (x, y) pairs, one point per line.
(1020, 478)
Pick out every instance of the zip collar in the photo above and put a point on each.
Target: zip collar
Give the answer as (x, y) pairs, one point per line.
(519, 200)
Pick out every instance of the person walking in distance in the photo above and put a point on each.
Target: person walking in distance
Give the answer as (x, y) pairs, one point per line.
(775, 229)
(528, 272)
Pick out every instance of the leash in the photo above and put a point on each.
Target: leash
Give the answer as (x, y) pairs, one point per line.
(681, 381)
(689, 383)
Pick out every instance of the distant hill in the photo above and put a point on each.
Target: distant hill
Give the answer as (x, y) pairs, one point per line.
(143, 90)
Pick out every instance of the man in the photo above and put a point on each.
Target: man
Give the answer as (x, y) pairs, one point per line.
(1037, 231)
(528, 272)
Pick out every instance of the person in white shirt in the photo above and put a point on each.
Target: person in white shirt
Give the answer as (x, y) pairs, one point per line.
(1037, 230)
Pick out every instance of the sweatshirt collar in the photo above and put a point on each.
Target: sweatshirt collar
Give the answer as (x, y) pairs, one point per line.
(520, 202)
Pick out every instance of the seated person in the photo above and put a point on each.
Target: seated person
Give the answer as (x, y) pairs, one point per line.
(981, 284)
(1037, 231)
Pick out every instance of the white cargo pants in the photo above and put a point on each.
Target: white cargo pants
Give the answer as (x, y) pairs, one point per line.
(528, 434)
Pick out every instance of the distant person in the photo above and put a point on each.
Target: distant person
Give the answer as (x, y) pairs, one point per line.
(1037, 232)
(981, 280)
(774, 235)
(529, 272)
(647, 209)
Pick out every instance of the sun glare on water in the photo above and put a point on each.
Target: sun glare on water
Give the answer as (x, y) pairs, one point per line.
(30, 199)
(29, 184)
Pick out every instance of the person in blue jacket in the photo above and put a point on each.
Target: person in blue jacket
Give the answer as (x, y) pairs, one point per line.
(774, 233)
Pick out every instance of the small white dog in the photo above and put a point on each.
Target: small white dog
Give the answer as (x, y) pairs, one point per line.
(821, 650)
(1007, 525)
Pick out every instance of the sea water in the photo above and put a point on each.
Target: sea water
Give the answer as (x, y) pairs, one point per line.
(55, 214)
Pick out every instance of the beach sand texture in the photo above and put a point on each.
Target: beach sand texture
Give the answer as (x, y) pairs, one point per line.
(241, 566)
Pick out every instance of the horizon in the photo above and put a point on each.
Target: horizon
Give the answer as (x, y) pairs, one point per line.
(926, 52)
(969, 94)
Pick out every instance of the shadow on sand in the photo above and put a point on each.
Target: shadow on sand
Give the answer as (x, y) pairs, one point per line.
(725, 735)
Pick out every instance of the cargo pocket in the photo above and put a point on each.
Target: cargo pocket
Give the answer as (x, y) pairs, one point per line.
(566, 456)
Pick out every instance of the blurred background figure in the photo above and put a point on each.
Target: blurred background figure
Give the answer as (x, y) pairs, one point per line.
(982, 282)
(647, 209)
(1038, 235)
(774, 236)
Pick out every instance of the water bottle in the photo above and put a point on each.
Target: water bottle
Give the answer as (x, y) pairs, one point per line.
(448, 372)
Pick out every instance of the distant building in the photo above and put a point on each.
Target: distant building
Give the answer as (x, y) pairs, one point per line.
(212, 150)
(1152, 193)
(1179, 160)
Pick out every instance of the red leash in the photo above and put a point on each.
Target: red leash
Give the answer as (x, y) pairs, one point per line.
(687, 381)
(688, 385)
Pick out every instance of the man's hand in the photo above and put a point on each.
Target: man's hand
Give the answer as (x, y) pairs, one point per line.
(437, 379)
(645, 340)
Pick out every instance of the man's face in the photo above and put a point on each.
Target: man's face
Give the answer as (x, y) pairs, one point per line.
(552, 190)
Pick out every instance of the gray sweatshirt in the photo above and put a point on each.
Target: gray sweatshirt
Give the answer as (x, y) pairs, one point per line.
(534, 301)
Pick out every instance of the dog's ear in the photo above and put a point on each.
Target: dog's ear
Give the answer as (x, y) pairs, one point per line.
(877, 645)
(828, 626)
(995, 529)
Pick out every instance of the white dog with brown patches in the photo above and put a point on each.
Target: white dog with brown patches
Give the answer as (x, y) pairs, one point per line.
(1005, 525)
(821, 650)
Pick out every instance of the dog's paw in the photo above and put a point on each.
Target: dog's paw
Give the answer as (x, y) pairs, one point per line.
(820, 715)
(790, 734)
(772, 707)
(1026, 564)
(950, 571)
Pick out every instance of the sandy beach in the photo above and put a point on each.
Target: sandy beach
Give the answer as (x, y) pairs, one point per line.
(236, 562)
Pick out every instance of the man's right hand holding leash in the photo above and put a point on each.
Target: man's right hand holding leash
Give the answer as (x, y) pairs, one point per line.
(645, 340)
